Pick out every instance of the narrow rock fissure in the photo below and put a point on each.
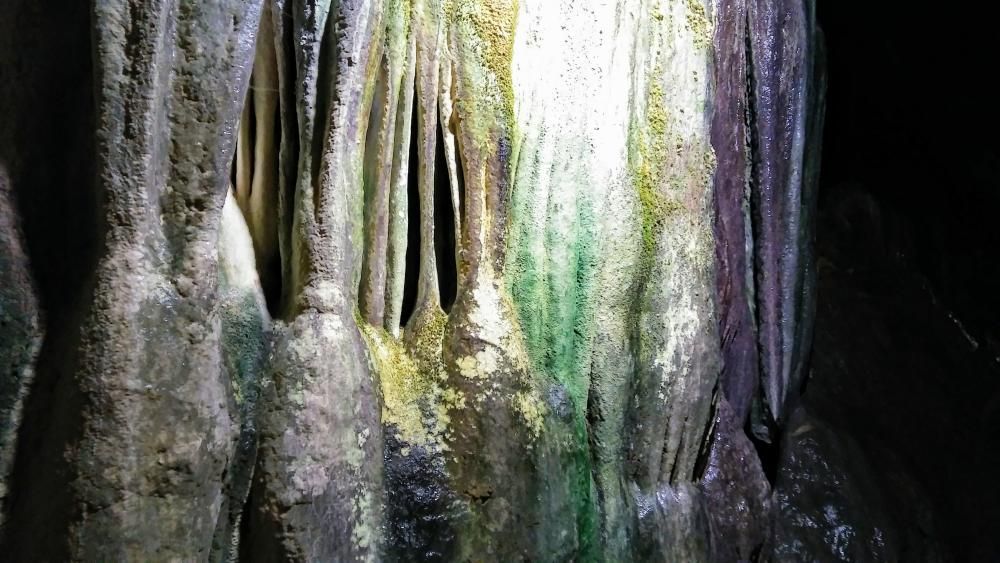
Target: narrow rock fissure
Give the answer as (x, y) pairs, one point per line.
(289, 154)
(326, 99)
(708, 438)
(444, 228)
(271, 270)
(460, 176)
(251, 124)
(412, 272)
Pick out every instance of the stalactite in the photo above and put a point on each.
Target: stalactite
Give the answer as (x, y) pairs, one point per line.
(243, 161)
(376, 207)
(382, 144)
(728, 482)
(739, 377)
(446, 110)
(317, 488)
(427, 28)
(781, 72)
(398, 201)
(260, 201)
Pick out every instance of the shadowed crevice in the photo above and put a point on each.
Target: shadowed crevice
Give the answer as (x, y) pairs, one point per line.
(444, 228)
(411, 276)
(48, 154)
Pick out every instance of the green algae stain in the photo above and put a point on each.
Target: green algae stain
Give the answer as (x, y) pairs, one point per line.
(555, 305)
(554, 301)
(244, 346)
(399, 17)
(553, 298)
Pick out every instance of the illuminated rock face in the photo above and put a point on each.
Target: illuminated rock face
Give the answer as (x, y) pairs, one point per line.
(495, 280)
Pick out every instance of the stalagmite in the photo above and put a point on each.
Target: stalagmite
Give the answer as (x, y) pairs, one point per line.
(317, 491)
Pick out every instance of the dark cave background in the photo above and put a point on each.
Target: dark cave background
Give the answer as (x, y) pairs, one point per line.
(912, 120)
(899, 436)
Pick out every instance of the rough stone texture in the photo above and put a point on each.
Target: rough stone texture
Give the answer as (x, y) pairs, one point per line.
(737, 491)
(20, 316)
(245, 339)
(318, 491)
(828, 507)
(139, 449)
(20, 329)
(508, 325)
(766, 128)
(733, 192)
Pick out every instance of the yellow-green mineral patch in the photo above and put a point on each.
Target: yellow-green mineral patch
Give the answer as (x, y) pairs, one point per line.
(494, 22)
(411, 377)
(403, 386)
(532, 410)
(649, 153)
(425, 345)
(699, 24)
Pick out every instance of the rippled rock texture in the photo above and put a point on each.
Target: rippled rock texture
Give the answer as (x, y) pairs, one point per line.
(449, 280)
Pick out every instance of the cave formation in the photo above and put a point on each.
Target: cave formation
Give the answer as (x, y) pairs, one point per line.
(486, 280)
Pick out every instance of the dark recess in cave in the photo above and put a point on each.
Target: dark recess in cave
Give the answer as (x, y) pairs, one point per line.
(413, 221)
(444, 228)
(911, 121)
(445, 237)
(274, 287)
(61, 210)
(906, 359)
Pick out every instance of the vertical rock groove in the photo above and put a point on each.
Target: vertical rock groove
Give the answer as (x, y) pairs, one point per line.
(446, 225)
(402, 161)
(21, 331)
(380, 179)
(256, 186)
(729, 137)
(412, 244)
